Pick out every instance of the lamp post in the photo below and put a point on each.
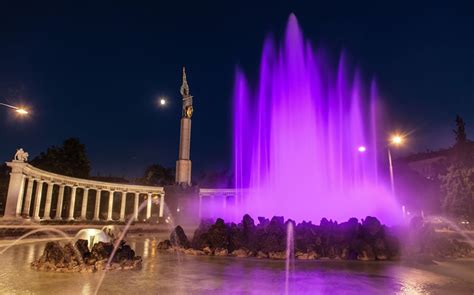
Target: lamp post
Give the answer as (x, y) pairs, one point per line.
(19, 110)
(395, 140)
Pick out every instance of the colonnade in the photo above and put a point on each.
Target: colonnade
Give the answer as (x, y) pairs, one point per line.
(222, 197)
(27, 185)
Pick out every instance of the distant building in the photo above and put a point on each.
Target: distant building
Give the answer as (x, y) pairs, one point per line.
(431, 164)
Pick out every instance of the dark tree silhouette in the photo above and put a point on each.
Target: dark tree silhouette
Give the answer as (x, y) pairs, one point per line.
(69, 159)
(460, 131)
(158, 175)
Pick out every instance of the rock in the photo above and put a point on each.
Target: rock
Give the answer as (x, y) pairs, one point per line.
(164, 245)
(301, 255)
(101, 250)
(240, 253)
(194, 252)
(261, 254)
(207, 251)
(371, 226)
(281, 255)
(263, 221)
(221, 252)
(274, 236)
(53, 252)
(77, 258)
(219, 235)
(365, 252)
(81, 246)
(124, 253)
(313, 255)
(201, 237)
(351, 240)
(380, 250)
(178, 238)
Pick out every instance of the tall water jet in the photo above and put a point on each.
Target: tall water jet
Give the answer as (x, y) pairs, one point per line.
(305, 141)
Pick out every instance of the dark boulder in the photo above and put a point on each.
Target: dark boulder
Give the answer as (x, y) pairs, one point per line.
(368, 240)
(201, 238)
(164, 245)
(124, 253)
(219, 235)
(262, 221)
(274, 236)
(371, 227)
(82, 247)
(101, 251)
(53, 252)
(178, 238)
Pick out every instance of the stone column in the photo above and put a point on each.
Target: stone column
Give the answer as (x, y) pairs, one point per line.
(85, 198)
(29, 193)
(97, 204)
(19, 202)
(148, 207)
(15, 189)
(111, 205)
(39, 196)
(59, 205)
(47, 205)
(72, 203)
(162, 205)
(135, 207)
(122, 206)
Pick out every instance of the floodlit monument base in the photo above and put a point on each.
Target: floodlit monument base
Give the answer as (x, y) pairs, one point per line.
(183, 203)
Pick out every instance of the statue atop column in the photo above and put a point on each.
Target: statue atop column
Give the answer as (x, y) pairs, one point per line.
(187, 97)
(21, 155)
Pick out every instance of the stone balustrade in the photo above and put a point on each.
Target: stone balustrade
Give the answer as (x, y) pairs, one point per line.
(28, 183)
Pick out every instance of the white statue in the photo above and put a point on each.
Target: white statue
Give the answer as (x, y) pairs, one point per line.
(21, 155)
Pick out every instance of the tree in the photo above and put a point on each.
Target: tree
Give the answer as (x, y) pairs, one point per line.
(69, 159)
(458, 189)
(158, 175)
(460, 131)
(217, 179)
(463, 148)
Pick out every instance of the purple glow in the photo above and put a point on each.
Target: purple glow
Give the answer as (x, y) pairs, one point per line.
(362, 149)
(295, 138)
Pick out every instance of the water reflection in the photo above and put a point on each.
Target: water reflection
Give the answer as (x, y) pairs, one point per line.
(167, 273)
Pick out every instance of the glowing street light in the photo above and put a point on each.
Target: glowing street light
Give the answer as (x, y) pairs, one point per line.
(19, 110)
(22, 111)
(396, 139)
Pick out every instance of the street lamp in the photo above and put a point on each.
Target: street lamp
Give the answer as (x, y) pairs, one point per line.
(395, 140)
(19, 110)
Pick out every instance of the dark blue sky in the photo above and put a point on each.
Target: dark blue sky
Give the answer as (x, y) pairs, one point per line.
(94, 71)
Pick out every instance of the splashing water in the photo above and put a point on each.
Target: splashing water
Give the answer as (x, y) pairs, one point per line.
(305, 141)
(38, 230)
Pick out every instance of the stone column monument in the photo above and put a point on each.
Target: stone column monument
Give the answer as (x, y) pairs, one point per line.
(183, 165)
(16, 185)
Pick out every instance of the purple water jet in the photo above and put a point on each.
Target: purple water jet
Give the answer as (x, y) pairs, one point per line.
(297, 138)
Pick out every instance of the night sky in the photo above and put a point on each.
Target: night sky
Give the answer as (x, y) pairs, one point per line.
(94, 71)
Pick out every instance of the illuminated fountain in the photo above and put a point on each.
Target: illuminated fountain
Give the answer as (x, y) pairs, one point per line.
(305, 139)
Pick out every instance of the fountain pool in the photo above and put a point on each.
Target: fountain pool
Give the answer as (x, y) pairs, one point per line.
(167, 273)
